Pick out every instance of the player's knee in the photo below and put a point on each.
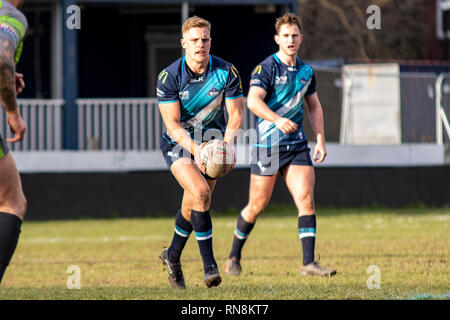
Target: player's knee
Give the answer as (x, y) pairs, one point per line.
(255, 208)
(22, 207)
(307, 202)
(14, 203)
(19, 206)
(203, 196)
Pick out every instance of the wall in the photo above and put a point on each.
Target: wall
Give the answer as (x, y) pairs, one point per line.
(136, 194)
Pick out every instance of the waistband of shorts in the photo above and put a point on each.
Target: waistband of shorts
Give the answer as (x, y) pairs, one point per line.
(299, 146)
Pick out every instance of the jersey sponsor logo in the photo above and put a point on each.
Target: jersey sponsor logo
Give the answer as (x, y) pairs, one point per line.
(292, 68)
(159, 93)
(9, 30)
(234, 71)
(184, 95)
(280, 80)
(213, 92)
(163, 76)
(236, 75)
(257, 69)
(255, 81)
(197, 79)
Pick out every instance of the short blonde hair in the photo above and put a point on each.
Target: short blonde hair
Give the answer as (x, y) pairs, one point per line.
(288, 18)
(195, 22)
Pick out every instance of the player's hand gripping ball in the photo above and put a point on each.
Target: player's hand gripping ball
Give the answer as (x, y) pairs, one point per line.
(217, 157)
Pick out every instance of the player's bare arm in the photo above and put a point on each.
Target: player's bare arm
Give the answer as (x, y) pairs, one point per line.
(315, 114)
(7, 76)
(235, 109)
(8, 90)
(256, 104)
(170, 114)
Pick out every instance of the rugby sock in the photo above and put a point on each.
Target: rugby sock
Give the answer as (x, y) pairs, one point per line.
(183, 229)
(241, 233)
(9, 236)
(202, 224)
(307, 233)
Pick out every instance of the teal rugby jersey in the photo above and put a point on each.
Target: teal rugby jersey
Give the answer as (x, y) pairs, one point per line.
(201, 96)
(285, 86)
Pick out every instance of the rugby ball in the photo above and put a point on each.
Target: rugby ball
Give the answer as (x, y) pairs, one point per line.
(217, 157)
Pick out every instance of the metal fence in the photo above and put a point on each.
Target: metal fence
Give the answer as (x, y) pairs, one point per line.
(355, 103)
(119, 124)
(125, 124)
(44, 125)
(442, 107)
(103, 124)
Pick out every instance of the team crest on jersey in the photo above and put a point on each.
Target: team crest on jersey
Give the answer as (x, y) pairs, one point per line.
(213, 92)
(280, 80)
(184, 95)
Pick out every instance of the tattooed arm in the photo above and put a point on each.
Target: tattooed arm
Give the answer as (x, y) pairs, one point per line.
(8, 90)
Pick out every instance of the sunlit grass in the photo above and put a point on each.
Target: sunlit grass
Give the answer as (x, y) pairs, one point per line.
(118, 258)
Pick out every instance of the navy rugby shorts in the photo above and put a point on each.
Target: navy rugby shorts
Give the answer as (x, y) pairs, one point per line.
(172, 153)
(268, 161)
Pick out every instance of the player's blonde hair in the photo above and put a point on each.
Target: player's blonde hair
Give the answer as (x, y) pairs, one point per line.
(195, 22)
(288, 18)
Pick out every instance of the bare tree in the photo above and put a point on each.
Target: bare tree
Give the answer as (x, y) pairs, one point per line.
(337, 28)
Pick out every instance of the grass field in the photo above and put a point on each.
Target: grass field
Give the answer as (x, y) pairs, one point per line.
(118, 258)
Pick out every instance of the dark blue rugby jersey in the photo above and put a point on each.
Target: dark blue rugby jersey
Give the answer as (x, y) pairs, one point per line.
(201, 96)
(286, 86)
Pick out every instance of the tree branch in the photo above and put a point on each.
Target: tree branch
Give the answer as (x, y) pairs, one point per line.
(343, 18)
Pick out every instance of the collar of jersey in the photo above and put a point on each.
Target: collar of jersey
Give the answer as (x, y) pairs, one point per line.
(183, 65)
(281, 63)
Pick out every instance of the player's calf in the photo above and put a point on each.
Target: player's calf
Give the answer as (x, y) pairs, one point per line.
(201, 198)
(10, 226)
(202, 225)
(307, 235)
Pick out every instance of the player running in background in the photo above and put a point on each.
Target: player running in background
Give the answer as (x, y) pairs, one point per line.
(13, 26)
(277, 88)
(192, 95)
